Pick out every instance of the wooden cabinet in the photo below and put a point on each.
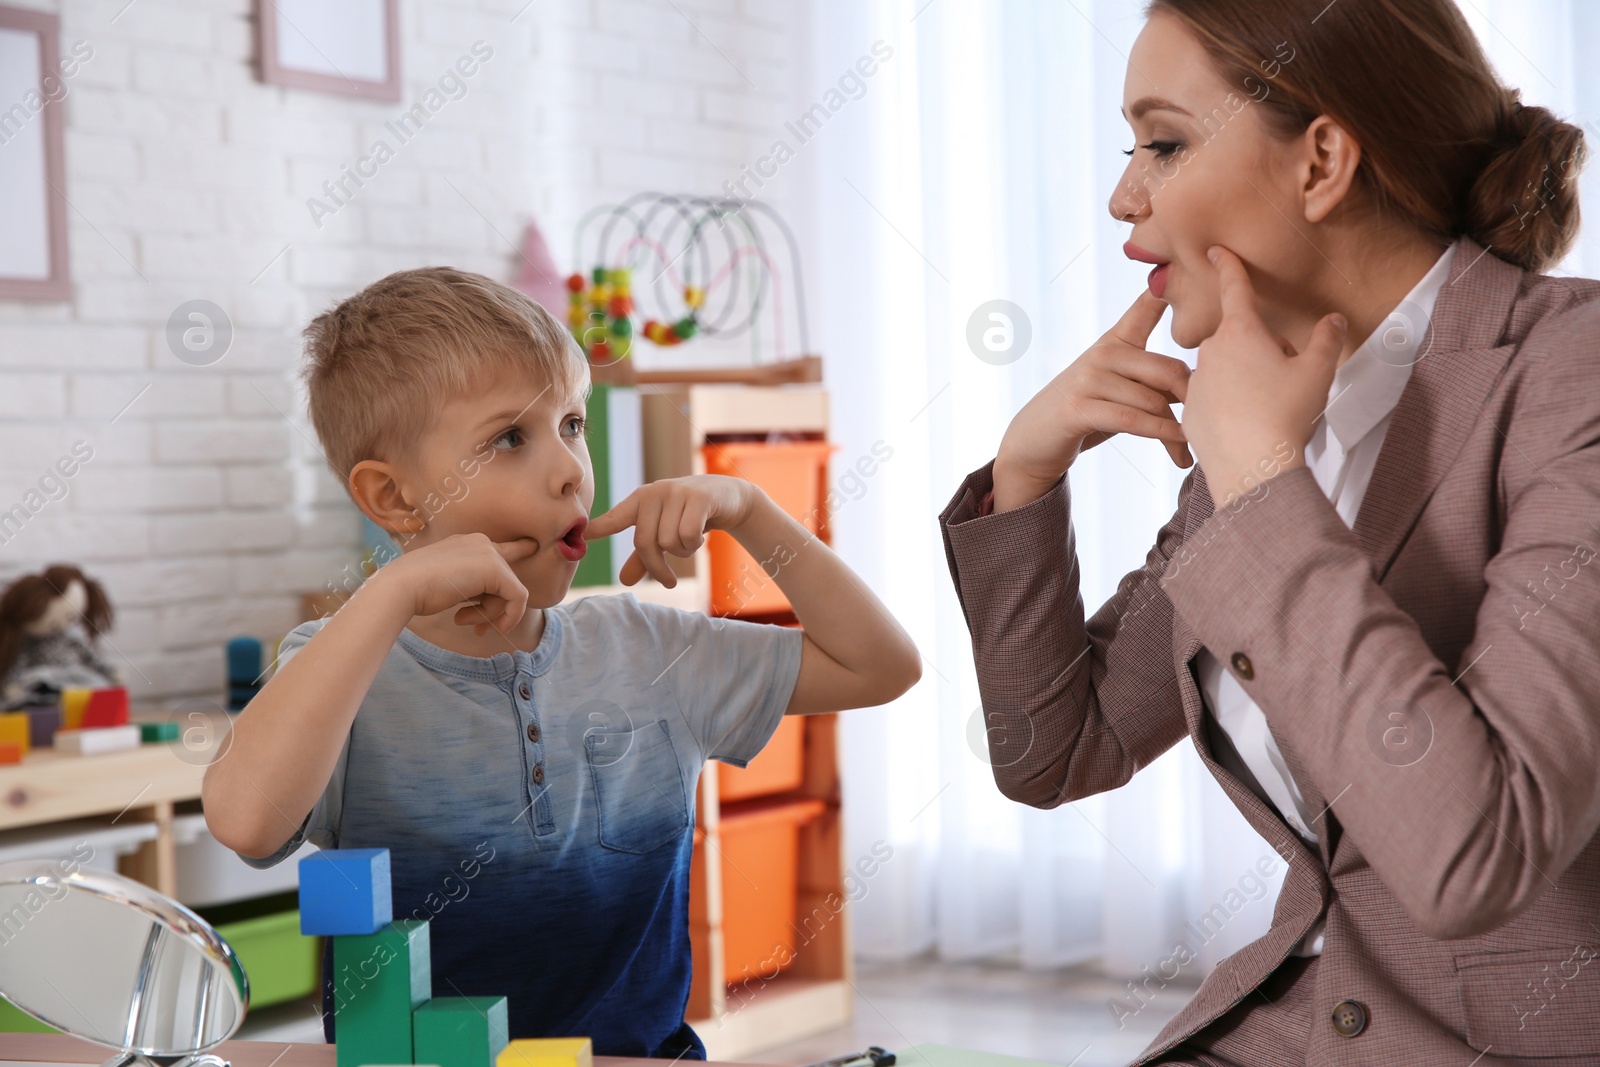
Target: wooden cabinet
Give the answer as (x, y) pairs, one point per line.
(738, 1015)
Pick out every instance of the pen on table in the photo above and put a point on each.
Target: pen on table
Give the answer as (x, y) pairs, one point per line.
(872, 1057)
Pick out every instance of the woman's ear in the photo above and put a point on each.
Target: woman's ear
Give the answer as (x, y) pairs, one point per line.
(1329, 167)
(376, 489)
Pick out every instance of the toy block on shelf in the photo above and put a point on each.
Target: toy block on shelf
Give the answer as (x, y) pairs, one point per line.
(10, 752)
(153, 732)
(17, 727)
(460, 1031)
(244, 671)
(43, 720)
(379, 980)
(74, 700)
(547, 1052)
(106, 707)
(346, 892)
(94, 740)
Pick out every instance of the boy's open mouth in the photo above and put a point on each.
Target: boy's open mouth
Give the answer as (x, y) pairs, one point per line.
(572, 544)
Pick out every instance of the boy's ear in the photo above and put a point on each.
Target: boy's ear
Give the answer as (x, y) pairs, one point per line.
(375, 487)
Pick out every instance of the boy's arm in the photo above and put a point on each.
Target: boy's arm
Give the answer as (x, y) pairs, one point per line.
(854, 655)
(284, 744)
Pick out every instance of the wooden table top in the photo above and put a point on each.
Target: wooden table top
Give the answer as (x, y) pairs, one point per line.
(61, 1048)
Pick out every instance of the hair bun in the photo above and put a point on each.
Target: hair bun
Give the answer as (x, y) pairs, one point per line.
(1524, 205)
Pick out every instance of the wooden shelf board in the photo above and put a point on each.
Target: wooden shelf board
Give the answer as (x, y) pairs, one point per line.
(49, 785)
(801, 369)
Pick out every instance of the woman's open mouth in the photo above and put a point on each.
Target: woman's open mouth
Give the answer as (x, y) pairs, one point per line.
(1158, 279)
(572, 544)
(1158, 276)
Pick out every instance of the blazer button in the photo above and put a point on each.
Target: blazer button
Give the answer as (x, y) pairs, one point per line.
(533, 731)
(538, 774)
(523, 691)
(1241, 664)
(1349, 1018)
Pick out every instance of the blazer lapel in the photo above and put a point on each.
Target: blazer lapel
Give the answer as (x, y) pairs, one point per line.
(1460, 362)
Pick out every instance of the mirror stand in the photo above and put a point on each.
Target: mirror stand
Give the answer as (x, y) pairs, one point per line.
(193, 1059)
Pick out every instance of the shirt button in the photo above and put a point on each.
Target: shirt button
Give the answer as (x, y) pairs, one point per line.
(533, 731)
(1241, 663)
(523, 691)
(1349, 1018)
(538, 774)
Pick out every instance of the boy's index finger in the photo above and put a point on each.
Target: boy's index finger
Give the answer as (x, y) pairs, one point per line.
(619, 518)
(521, 548)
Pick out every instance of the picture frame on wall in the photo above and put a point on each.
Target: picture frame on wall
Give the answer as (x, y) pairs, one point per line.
(33, 202)
(351, 47)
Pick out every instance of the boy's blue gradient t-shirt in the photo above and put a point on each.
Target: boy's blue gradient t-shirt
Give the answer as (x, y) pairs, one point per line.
(539, 806)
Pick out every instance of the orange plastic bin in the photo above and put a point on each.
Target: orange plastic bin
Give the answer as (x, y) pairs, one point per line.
(795, 475)
(778, 768)
(760, 884)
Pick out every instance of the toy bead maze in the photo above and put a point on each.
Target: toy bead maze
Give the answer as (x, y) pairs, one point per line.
(384, 1008)
(662, 270)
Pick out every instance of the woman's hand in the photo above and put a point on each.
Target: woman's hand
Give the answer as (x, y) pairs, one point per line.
(1252, 398)
(1115, 386)
(672, 516)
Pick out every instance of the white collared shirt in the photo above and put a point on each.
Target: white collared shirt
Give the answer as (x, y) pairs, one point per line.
(1341, 454)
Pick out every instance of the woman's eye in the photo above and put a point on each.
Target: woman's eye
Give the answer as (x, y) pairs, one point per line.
(1162, 149)
(512, 432)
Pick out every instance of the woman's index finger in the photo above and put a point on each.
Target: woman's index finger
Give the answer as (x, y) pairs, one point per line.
(1137, 323)
(1238, 295)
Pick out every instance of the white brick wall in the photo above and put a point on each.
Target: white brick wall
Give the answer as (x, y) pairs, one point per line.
(205, 511)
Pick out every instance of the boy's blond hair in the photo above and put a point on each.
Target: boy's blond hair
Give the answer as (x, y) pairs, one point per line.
(381, 363)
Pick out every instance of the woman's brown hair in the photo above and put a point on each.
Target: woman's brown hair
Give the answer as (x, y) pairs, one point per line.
(1444, 145)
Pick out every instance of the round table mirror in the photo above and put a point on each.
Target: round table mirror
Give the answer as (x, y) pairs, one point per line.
(110, 960)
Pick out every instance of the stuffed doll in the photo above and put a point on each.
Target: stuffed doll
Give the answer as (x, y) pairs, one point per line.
(49, 624)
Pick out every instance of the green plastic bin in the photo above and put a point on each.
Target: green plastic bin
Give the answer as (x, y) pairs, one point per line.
(280, 962)
(13, 1020)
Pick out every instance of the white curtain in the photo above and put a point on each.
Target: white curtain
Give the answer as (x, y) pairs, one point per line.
(975, 165)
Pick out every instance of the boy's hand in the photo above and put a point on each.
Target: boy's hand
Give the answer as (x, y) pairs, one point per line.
(466, 567)
(673, 515)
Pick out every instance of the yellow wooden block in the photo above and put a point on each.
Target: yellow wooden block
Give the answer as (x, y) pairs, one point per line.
(14, 726)
(547, 1052)
(73, 703)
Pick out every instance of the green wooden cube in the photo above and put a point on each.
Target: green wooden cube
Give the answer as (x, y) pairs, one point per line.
(379, 980)
(151, 732)
(460, 1031)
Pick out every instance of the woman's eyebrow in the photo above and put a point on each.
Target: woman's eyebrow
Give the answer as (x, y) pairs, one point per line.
(1154, 103)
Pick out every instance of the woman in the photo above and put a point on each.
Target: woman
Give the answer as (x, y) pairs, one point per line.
(1374, 611)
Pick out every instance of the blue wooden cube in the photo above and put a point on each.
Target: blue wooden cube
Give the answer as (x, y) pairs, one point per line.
(345, 891)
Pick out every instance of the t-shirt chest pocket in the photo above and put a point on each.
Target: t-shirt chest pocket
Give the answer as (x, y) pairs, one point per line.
(640, 800)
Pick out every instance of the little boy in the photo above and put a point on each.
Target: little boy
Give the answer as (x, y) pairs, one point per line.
(531, 766)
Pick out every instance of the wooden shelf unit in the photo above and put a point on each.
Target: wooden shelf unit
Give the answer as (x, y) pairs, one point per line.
(138, 785)
(741, 1015)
